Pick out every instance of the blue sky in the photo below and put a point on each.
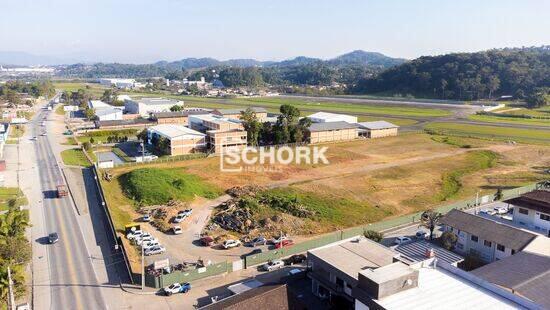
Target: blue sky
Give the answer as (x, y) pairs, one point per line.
(141, 31)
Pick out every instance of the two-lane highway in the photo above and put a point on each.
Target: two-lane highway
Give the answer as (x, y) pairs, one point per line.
(73, 284)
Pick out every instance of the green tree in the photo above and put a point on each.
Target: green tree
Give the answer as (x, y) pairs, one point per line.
(176, 108)
(142, 135)
(430, 219)
(251, 125)
(498, 195)
(90, 113)
(374, 235)
(13, 223)
(448, 240)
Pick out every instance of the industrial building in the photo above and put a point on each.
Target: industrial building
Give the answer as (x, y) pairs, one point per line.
(326, 117)
(260, 113)
(182, 140)
(377, 129)
(180, 117)
(332, 132)
(147, 106)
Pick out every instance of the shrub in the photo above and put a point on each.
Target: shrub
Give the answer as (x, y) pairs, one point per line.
(448, 240)
(374, 235)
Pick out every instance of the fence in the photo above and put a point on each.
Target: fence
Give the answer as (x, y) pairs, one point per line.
(163, 160)
(187, 276)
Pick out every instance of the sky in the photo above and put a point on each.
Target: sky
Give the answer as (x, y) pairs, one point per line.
(143, 31)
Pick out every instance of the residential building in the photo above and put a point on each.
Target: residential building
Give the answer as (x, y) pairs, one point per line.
(180, 117)
(532, 211)
(484, 238)
(268, 297)
(524, 274)
(261, 113)
(331, 132)
(181, 140)
(201, 84)
(220, 140)
(146, 106)
(326, 117)
(377, 129)
(431, 284)
(335, 268)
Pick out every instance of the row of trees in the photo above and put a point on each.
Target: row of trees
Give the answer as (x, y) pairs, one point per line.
(11, 90)
(15, 250)
(288, 128)
(468, 76)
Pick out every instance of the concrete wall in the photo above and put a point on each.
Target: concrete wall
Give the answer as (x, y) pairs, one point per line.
(173, 120)
(380, 133)
(221, 140)
(187, 146)
(333, 135)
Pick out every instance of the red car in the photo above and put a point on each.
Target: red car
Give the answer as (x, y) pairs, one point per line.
(284, 243)
(207, 241)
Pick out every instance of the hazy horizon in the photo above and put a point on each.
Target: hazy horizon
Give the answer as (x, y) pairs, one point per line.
(141, 31)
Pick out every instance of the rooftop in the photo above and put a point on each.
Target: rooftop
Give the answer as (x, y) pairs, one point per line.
(107, 111)
(353, 256)
(538, 200)
(489, 230)
(125, 122)
(388, 272)
(377, 125)
(177, 114)
(315, 127)
(172, 131)
(98, 104)
(416, 252)
(328, 115)
(158, 101)
(439, 288)
(526, 274)
(275, 296)
(215, 119)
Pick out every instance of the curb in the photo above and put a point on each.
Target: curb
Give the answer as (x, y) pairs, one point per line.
(137, 292)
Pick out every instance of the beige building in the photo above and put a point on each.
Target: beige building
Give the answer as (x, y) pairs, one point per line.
(377, 129)
(182, 140)
(331, 132)
(261, 113)
(178, 118)
(220, 140)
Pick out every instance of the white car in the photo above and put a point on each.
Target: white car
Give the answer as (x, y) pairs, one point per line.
(186, 212)
(227, 244)
(177, 230)
(144, 240)
(273, 265)
(134, 234)
(150, 244)
(179, 218)
(146, 218)
(279, 239)
(402, 240)
(155, 250)
(501, 210)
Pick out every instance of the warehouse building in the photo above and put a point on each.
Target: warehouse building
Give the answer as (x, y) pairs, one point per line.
(261, 113)
(326, 117)
(332, 132)
(179, 118)
(222, 132)
(147, 106)
(377, 129)
(182, 140)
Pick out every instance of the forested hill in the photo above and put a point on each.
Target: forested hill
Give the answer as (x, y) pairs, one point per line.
(485, 74)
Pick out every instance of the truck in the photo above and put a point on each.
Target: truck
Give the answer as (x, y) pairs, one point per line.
(61, 191)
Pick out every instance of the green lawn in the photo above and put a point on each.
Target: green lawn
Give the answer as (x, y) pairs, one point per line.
(94, 88)
(75, 157)
(490, 132)
(544, 112)
(103, 135)
(17, 131)
(152, 186)
(8, 194)
(59, 110)
(510, 120)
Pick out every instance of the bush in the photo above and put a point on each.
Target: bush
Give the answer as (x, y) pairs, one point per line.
(448, 240)
(374, 235)
(87, 146)
(161, 225)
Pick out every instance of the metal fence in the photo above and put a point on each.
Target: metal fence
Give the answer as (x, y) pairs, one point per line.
(163, 160)
(187, 276)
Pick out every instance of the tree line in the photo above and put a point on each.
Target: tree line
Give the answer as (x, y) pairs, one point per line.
(11, 91)
(517, 72)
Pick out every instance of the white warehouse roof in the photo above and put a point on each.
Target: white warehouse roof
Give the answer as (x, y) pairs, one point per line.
(377, 125)
(325, 117)
(179, 132)
(98, 104)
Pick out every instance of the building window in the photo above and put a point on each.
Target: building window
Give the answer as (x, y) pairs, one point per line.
(487, 243)
(474, 238)
(545, 217)
(513, 252)
(500, 247)
(523, 211)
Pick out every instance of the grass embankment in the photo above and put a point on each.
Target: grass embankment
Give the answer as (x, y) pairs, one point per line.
(11, 195)
(503, 119)
(16, 131)
(490, 132)
(120, 153)
(102, 136)
(59, 110)
(152, 186)
(75, 157)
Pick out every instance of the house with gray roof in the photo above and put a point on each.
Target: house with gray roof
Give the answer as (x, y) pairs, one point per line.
(532, 211)
(261, 113)
(484, 238)
(377, 129)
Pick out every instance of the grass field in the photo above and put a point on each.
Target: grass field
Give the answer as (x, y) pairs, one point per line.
(102, 135)
(510, 120)
(491, 132)
(544, 111)
(8, 194)
(17, 131)
(94, 88)
(75, 157)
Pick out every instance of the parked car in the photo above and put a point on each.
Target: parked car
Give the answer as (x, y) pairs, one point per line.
(186, 212)
(278, 239)
(258, 241)
(501, 210)
(179, 218)
(155, 250)
(295, 259)
(402, 240)
(421, 234)
(53, 238)
(43, 134)
(488, 212)
(177, 230)
(207, 241)
(176, 288)
(134, 234)
(146, 218)
(273, 265)
(284, 243)
(150, 244)
(145, 239)
(227, 244)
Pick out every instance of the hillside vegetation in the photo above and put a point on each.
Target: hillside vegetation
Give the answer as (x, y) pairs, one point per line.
(467, 76)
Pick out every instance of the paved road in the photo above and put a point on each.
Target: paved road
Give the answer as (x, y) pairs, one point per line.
(73, 283)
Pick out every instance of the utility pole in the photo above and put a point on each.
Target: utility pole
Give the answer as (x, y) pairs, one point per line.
(11, 300)
(142, 268)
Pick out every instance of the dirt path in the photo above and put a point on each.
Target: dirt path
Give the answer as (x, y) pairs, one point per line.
(358, 167)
